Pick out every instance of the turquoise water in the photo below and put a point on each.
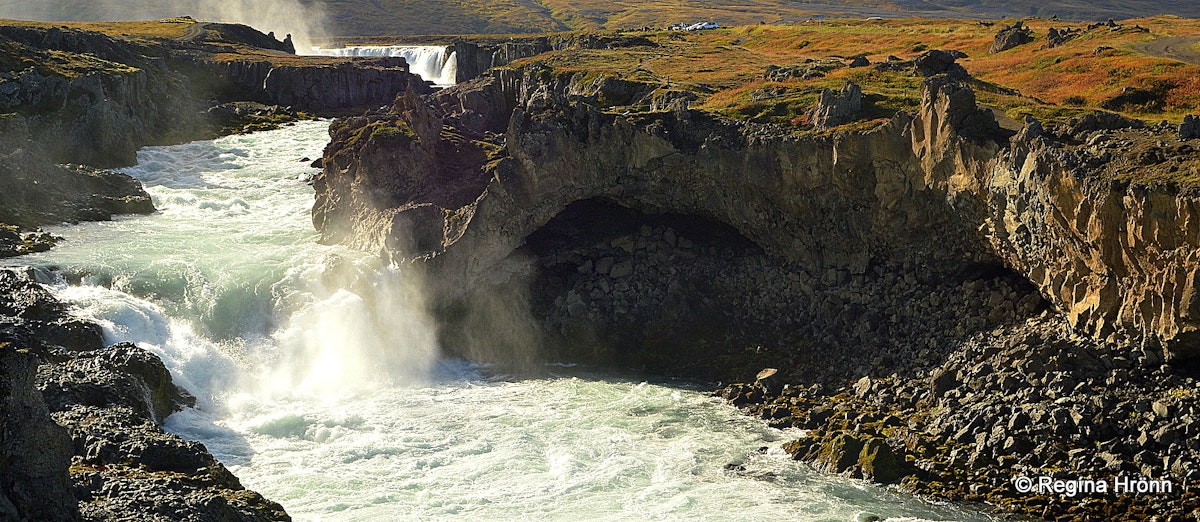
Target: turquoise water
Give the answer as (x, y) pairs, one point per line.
(321, 387)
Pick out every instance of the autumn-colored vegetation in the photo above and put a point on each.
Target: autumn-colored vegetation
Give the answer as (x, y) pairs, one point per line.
(1111, 68)
(1108, 68)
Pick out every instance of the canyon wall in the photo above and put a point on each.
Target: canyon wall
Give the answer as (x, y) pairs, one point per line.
(461, 179)
(1113, 256)
(72, 96)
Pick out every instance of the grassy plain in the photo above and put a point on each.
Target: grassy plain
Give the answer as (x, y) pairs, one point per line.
(1103, 68)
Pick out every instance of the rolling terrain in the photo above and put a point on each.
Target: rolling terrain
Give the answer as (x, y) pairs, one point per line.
(409, 17)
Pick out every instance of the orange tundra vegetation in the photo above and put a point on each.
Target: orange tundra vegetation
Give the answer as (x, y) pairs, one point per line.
(1119, 69)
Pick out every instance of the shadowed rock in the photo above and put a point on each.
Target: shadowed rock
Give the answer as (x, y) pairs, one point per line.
(838, 109)
(1011, 36)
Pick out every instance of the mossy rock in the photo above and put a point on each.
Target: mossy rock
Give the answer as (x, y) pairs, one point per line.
(878, 463)
(393, 132)
(839, 454)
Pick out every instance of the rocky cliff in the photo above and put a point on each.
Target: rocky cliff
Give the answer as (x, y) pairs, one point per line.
(1006, 303)
(938, 192)
(72, 100)
(1113, 256)
(93, 98)
(71, 95)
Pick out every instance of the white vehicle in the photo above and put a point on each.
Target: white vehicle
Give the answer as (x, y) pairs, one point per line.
(702, 26)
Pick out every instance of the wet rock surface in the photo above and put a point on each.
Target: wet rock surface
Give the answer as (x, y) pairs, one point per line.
(82, 436)
(34, 451)
(1030, 399)
(944, 304)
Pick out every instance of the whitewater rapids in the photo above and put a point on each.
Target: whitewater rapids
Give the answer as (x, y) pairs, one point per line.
(320, 385)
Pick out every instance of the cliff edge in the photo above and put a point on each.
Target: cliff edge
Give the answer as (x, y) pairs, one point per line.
(935, 247)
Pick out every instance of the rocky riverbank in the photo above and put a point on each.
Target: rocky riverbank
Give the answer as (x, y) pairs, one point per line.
(950, 306)
(81, 435)
(1029, 400)
(81, 423)
(77, 98)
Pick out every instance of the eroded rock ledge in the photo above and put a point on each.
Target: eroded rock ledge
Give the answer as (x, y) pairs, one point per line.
(465, 176)
(968, 274)
(71, 97)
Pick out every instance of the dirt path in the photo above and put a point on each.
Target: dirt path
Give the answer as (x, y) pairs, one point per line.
(1182, 48)
(195, 31)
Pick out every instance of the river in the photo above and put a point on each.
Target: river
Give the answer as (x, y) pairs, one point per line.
(320, 384)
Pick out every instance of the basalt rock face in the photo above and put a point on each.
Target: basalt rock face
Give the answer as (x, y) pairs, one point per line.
(475, 58)
(850, 209)
(368, 82)
(73, 97)
(1115, 257)
(771, 187)
(475, 170)
(36, 193)
(113, 461)
(34, 451)
(99, 109)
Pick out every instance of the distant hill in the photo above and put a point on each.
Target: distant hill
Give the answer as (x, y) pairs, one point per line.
(409, 17)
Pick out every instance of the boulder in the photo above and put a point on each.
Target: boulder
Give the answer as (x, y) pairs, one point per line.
(878, 463)
(1190, 128)
(35, 453)
(839, 454)
(1011, 36)
(934, 62)
(835, 109)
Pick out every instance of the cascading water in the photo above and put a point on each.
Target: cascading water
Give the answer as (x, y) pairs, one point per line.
(436, 64)
(320, 386)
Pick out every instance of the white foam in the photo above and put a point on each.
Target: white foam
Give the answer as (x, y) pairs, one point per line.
(329, 397)
(433, 63)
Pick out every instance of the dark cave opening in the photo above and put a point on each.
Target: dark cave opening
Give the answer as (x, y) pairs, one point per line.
(651, 292)
(1186, 367)
(686, 295)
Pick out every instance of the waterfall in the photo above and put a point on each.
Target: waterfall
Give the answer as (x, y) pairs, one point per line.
(431, 62)
(320, 384)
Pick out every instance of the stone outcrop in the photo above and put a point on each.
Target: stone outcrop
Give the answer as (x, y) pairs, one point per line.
(113, 461)
(72, 97)
(106, 97)
(1011, 36)
(1115, 257)
(943, 189)
(1189, 129)
(837, 109)
(36, 193)
(475, 57)
(34, 451)
(323, 88)
(1056, 37)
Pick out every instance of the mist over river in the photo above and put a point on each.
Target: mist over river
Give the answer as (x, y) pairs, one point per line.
(320, 384)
